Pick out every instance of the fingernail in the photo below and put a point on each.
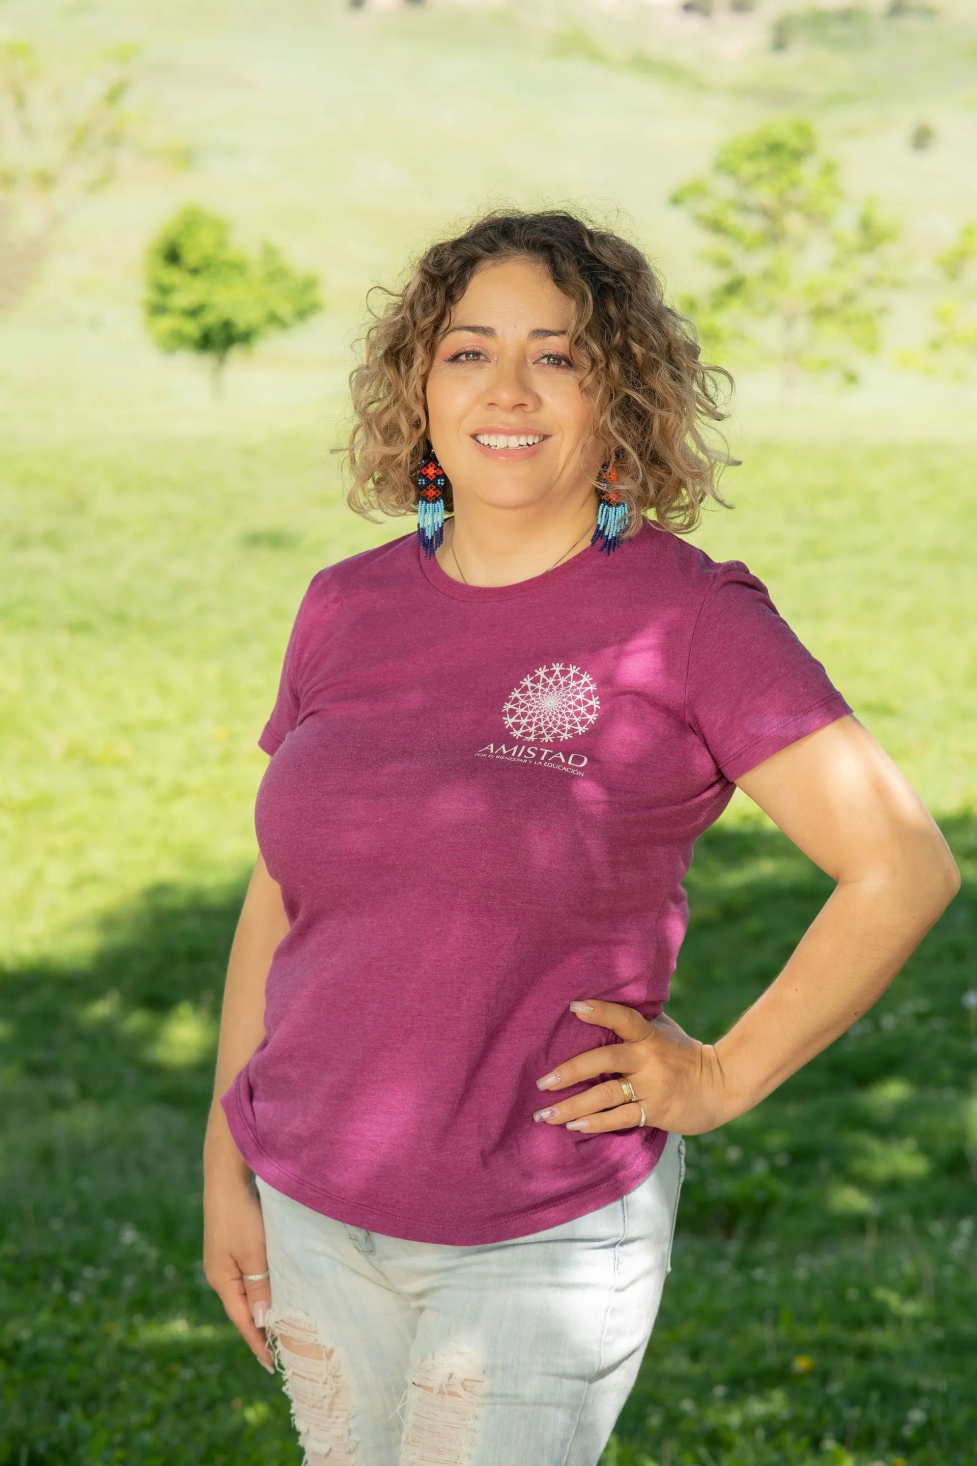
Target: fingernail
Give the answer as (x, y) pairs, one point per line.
(259, 1313)
(579, 1125)
(543, 1115)
(548, 1081)
(581, 1007)
(270, 1367)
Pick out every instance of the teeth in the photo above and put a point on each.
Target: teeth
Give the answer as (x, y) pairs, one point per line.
(508, 440)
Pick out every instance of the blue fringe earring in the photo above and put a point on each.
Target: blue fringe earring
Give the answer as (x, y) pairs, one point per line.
(431, 484)
(613, 512)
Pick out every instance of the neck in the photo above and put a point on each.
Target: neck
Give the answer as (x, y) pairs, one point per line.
(489, 546)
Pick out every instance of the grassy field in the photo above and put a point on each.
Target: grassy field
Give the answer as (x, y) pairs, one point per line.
(145, 620)
(823, 1301)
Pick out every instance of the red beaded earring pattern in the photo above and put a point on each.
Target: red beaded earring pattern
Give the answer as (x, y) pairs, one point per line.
(613, 512)
(431, 484)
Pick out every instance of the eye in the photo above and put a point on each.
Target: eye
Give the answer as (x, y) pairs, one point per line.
(468, 353)
(555, 358)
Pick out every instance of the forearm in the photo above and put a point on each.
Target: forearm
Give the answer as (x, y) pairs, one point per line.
(842, 801)
(261, 927)
(845, 961)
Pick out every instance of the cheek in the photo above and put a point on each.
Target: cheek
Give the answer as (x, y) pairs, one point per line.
(574, 413)
(448, 398)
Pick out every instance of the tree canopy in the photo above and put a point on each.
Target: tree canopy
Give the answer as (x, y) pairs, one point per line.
(801, 270)
(64, 127)
(205, 294)
(952, 349)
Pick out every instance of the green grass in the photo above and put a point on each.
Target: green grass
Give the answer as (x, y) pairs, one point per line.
(834, 1224)
(823, 1289)
(151, 591)
(154, 549)
(151, 585)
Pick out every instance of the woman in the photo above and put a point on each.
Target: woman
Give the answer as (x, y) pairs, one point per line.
(443, 1052)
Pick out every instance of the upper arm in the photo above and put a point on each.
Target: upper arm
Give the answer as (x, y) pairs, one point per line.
(263, 906)
(841, 800)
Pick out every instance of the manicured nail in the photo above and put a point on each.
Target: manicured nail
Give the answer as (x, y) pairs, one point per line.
(548, 1081)
(259, 1313)
(579, 1125)
(270, 1367)
(543, 1115)
(581, 1007)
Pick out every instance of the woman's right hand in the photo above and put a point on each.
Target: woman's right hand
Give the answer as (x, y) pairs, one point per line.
(234, 1234)
(234, 1244)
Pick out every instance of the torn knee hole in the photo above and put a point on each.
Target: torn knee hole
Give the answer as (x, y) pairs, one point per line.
(316, 1385)
(444, 1406)
(303, 1347)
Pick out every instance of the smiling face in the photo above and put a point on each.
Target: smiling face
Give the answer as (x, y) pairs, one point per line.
(506, 414)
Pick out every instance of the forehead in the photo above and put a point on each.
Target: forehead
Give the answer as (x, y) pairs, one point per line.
(512, 292)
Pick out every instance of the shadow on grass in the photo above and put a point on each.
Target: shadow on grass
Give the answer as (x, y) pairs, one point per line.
(823, 1303)
(832, 1226)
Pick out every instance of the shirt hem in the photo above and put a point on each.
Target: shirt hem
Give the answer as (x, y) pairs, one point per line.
(449, 1234)
(750, 755)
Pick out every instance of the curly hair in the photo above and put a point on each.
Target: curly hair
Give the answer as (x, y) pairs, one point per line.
(652, 395)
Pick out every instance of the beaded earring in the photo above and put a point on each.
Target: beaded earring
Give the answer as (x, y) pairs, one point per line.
(431, 484)
(613, 512)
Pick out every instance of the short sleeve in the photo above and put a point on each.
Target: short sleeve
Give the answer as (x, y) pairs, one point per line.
(753, 688)
(285, 714)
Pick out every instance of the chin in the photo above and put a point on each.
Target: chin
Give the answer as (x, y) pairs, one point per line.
(508, 495)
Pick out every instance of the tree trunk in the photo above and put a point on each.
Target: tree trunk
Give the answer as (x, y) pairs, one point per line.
(22, 256)
(217, 378)
(791, 380)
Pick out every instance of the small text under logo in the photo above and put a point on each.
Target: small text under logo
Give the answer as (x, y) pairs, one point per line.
(548, 758)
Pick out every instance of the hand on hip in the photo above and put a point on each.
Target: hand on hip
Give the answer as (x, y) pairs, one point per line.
(668, 1079)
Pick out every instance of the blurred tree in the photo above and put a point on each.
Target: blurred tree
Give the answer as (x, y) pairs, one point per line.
(910, 7)
(206, 295)
(823, 25)
(801, 269)
(952, 349)
(62, 135)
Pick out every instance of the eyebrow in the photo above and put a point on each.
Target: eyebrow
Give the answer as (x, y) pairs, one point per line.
(535, 335)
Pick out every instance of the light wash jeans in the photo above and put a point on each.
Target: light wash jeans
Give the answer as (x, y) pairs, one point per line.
(516, 1353)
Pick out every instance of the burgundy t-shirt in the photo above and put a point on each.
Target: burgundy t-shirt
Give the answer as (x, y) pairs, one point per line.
(481, 805)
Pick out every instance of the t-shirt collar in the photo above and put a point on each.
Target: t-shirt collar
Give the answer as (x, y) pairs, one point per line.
(587, 559)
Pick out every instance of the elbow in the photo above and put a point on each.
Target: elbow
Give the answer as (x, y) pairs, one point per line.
(951, 880)
(916, 876)
(935, 878)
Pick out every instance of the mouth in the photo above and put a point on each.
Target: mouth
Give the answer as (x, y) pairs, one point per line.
(509, 445)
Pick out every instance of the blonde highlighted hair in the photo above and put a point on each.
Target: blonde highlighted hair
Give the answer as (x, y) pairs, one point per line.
(652, 395)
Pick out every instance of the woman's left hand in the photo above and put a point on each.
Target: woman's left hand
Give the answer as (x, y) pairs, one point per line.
(677, 1081)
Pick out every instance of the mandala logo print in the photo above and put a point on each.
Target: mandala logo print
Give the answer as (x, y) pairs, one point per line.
(552, 704)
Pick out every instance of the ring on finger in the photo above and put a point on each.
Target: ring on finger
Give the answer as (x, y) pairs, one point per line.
(630, 1097)
(255, 1277)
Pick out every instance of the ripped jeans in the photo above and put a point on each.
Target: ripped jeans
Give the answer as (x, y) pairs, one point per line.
(516, 1353)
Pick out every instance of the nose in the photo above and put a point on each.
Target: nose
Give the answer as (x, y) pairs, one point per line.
(510, 388)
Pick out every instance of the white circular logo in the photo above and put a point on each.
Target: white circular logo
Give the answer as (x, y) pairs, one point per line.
(552, 704)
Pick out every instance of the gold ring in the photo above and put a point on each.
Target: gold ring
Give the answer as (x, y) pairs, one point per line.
(629, 1093)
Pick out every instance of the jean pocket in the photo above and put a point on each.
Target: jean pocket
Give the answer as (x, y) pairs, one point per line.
(680, 1150)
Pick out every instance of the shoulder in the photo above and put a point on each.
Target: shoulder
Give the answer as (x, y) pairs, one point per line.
(337, 588)
(672, 569)
(368, 570)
